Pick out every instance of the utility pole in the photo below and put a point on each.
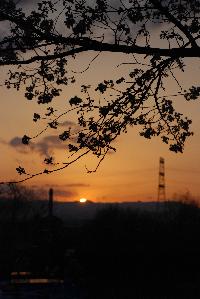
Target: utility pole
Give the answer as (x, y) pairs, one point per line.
(161, 181)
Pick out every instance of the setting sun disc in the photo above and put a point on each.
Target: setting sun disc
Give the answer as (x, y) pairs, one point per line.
(83, 200)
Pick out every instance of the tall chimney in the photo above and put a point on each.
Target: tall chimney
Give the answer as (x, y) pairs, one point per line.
(50, 202)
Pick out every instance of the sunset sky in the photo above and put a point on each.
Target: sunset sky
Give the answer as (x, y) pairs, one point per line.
(130, 174)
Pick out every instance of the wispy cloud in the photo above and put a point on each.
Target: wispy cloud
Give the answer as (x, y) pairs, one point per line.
(48, 144)
(17, 144)
(59, 191)
(44, 147)
(69, 185)
(65, 193)
(68, 123)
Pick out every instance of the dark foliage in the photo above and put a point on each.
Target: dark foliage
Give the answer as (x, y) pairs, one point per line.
(125, 254)
(119, 254)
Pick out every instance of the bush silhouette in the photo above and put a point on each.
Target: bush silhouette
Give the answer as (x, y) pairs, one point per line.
(127, 253)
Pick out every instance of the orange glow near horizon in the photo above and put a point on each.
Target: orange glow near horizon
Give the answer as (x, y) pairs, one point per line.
(83, 200)
(130, 174)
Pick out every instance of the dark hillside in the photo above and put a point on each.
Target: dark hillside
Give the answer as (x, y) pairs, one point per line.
(118, 252)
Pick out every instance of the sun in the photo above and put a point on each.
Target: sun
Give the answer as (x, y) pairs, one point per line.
(82, 200)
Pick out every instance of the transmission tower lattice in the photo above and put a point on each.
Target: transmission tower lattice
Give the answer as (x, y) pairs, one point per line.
(161, 181)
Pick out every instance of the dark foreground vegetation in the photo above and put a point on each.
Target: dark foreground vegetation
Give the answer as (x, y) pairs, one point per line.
(120, 253)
